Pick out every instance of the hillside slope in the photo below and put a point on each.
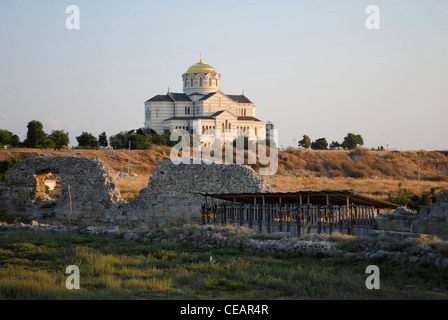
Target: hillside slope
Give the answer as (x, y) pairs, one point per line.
(319, 163)
(363, 163)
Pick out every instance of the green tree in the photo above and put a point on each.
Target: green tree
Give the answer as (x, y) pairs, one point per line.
(119, 141)
(15, 141)
(60, 138)
(319, 144)
(35, 135)
(7, 138)
(5, 165)
(102, 139)
(352, 141)
(335, 145)
(48, 144)
(305, 142)
(87, 140)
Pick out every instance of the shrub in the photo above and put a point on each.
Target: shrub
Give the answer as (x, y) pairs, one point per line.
(8, 218)
(361, 152)
(224, 283)
(6, 164)
(354, 171)
(336, 173)
(315, 166)
(413, 201)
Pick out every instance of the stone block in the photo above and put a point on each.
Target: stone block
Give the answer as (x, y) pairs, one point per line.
(420, 226)
(435, 227)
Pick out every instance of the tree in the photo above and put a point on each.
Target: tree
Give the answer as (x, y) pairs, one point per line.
(9, 139)
(48, 144)
(138, 140)
(335, 145)
(305, 142)
(320, 144)
(5, 165)
(35, 136)
(118, 141)
(102, 140)
(87, 140)
(60, 138)
(352, 141)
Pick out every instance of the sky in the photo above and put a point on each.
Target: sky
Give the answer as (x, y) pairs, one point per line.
(310, 67)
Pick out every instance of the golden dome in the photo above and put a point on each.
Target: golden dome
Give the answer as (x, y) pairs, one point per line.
(201, 67)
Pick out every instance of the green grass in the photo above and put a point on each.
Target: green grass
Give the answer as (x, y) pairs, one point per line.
(32, 266)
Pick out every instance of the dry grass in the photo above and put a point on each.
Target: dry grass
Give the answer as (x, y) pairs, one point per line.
(370, 173)
(374, 188)
(130, 186)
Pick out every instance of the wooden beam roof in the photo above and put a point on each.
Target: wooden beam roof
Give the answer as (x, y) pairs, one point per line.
(314, 198)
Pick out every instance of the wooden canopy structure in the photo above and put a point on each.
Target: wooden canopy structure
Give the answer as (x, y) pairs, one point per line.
(320, 198)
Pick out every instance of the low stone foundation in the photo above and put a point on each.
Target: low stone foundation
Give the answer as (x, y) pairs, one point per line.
(89, 194)
(432, 220)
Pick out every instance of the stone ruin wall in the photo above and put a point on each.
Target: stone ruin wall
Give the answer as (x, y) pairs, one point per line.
(91, 182)
(431, 220)
(170, 197)
(185, 181)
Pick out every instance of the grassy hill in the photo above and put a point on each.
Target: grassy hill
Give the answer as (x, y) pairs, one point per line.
(371, 173)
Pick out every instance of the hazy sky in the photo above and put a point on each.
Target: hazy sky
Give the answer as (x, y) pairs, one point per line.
(310, 67)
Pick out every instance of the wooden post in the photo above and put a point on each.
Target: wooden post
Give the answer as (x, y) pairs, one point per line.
(212, 211)
(297, 214)
(319, 215)
(268, 226)
(261, 216)
(204, 216)
(70, 214)
(280, 217)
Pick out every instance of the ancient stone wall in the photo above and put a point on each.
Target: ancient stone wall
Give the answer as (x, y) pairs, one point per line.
(431, 220)
(186, 181)
(170, 198)
(87, 184)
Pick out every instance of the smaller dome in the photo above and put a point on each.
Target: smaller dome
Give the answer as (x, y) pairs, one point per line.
(201, 67)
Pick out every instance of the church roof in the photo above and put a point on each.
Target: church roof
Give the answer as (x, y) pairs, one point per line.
(171, 96)
(188, 118)
(212, 116)
(248, 119)
(201, 67)
(180, 96)
(239, 98)
(211, 94)
(160, 97)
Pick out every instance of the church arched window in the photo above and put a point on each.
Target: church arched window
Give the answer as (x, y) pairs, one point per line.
(191, 82)
(210, 82)
(200, 82)
(244, 112)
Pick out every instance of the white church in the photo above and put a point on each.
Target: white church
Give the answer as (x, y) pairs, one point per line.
(204, 109)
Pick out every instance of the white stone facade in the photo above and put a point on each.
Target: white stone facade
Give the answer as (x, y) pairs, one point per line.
(202, 107)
